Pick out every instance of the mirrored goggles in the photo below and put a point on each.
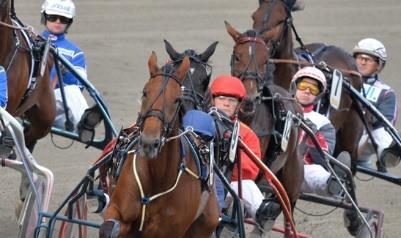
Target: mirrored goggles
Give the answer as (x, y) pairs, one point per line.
(313, 89)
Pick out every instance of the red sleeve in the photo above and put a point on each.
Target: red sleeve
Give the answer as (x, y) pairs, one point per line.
(248, 168)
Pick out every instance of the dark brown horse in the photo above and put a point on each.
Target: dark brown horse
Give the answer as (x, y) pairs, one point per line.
(266, 108)
(16, 56)
(273, 18)
(155, 195)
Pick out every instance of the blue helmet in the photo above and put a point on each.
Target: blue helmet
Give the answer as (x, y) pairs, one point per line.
(201, 122)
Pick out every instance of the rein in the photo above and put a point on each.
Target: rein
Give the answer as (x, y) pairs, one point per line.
(20, 28)
(306, 63)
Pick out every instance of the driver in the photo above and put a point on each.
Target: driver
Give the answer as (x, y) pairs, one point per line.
(370, 56)
(57, 17)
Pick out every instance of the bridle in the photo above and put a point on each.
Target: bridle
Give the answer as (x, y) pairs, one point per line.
(189, 91)
(252, 38)
(271, 46)
(168, 72)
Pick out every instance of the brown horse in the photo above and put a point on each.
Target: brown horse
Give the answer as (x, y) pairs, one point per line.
(273, 18)
(16, 56)
(155, 195)
(265, 110)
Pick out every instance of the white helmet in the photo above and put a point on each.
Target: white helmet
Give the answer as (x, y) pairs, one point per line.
(371, 47)
(310, 72)
(65, 8)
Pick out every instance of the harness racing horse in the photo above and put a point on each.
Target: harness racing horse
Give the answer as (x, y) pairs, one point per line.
(265, 110)
(194, 86)
(36, 104)
(273, 18)
(159, 193)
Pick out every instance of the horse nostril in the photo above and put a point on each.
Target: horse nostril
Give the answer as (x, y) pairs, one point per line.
(156, 144)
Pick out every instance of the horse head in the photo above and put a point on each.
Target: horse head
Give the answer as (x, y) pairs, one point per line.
(161, 104)
(198, 76)
(248, 62)
(274, 20)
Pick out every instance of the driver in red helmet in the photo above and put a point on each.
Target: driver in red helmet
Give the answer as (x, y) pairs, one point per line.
(227, 94)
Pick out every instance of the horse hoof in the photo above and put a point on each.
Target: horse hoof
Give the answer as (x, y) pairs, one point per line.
(352, 222)
(364, 231)
(109, 229)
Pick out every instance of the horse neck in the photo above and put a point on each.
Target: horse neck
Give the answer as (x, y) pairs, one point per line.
(164, 169)
(284, 71)
(6, 38)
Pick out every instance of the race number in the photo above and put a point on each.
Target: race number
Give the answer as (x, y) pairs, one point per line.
(234, 141)
(336, 89)
(287, 130)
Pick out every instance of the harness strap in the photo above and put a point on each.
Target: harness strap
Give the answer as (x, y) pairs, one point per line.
(146, 200)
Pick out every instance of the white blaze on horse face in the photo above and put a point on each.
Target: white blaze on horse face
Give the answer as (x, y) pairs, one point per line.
(250, 50)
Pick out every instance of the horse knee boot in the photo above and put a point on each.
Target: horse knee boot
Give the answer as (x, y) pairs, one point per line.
(109, 229)
(267, 213)
(390, 157)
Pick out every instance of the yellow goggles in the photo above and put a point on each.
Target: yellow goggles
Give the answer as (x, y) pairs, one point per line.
(313, 89)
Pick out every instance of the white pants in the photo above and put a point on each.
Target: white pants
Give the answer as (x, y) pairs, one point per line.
(383, 140)
(251, 194)
(76, 104)
(315, 180)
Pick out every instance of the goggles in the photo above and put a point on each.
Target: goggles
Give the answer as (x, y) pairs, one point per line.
(313, 89)
(53, 18)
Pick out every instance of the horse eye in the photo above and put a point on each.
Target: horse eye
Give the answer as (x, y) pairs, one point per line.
(236, 57)
(144, 94)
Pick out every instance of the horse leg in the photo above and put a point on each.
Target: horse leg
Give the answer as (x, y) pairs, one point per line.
(207, 222)
(41, 120)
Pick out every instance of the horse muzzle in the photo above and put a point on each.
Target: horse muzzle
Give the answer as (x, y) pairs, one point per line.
(149, 146)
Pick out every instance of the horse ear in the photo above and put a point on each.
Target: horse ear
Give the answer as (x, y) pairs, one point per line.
(267, 35)
(174, 55)
(298, 6)
(183, 69)
(152, 63)
(232, 32)
(208, 52)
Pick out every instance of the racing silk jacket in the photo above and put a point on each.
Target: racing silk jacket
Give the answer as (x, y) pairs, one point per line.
(73, 54)
(382, 97)
(325, 134)
(248, 168)
(3, 88)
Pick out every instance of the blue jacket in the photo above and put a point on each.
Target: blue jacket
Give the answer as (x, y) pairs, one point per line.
(382, 97)
(3, 88)
(72, 53)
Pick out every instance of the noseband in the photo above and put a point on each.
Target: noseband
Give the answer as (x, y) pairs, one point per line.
(168, 72)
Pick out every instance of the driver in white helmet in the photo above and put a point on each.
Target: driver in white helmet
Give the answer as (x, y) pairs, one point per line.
(57, 16)
(370, 56)
(308, 85)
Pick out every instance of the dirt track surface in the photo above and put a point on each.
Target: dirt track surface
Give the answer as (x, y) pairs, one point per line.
(118, 37)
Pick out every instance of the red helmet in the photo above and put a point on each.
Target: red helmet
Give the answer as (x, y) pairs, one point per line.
(228, 85)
